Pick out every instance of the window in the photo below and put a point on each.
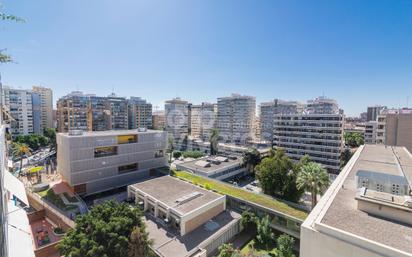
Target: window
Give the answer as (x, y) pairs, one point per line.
(127, 168)
(159, 154)
(126, 139)
(105, 151)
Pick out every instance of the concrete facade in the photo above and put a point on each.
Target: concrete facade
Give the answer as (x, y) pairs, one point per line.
(177, 118)
(202, 120)
(140, 113)
(92, 162)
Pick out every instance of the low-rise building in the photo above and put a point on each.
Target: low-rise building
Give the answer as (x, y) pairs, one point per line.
(92, 162)
(367, 211)
(216, 167)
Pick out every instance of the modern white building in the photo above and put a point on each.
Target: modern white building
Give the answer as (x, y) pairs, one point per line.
(177, 118)
(92, 162)
(235, 118)
(202, 120)
(367, 211)
(269, 109)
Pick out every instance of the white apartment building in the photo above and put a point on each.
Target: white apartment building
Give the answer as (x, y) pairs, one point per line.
(371, 128)
(202, 120)
(177, 118)
(367, 211)
(269, 109)
(92, 162)
(235, 118)
(317, 132)
(46, 106)
(18, 107)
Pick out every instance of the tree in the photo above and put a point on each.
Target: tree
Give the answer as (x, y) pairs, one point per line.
(353, 139)
(20, 150)
(50, 133)
(248, 221)
(251, 158)
(226, 250)
(177, 154)
(313, 178)
(213, 139)
(265, 235)
(277, 175)
(139, 245)
(285, 246)
(106, 231)
(345, 157)
(5, 58)
(170, 146)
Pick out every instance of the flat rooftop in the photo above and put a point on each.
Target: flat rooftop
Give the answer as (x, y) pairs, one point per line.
(343, 213)
(80, 133)
(169, 243)
(194, 165)
(168, 190)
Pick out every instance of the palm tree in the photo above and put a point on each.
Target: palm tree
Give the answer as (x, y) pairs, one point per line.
(213, 139)
(170, 143)
(314, 178)
(20, 150)
(251, 158)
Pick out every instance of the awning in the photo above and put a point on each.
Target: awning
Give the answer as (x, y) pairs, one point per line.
(15, 187)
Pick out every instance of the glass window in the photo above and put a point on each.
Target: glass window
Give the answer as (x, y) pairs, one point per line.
(159, 153)
(128, 168)
(105, 151)
(126, 139)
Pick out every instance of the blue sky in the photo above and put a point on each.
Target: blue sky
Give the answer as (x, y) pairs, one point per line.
(358, 52)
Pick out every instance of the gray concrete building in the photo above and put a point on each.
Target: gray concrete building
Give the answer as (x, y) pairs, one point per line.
(235, 118)
(373, 112)
(92, 162)
(367, 211)
(395, 128)
(371, 128)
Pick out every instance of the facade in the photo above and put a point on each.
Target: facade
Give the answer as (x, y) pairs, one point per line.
(72, 112)
(46, 106)
(118, 111)
(140, 113)
(317, 134)
(97, 114)
(202, 120)
(367, 210)
(235, 118)
(177, 118)
(269, 109)
(219, 167)
(371, 128)
(373, 112)
(398, 128)
(92, 162)
(182, 205)
(18, 105)
(158, 120)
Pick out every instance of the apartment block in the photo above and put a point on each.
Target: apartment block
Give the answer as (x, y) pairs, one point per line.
(202, 120)
(235, 118)
(117, 108)
(46, 106)
(18, 110)
(73, 112)
(177, 118)
(367, 210)
(158, 120)
(269, 109)
(92, 162)
(371, 128)
(373, 112)
(311, 132)
(140, 113)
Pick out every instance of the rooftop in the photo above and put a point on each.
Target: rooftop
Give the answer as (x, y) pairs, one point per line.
(80, 133)
(181, 196)
(210, 164)
(343, 213)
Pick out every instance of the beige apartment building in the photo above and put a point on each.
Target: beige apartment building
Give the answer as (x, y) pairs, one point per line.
(46, 106)
(202, 120)
(177, 118)
(91, 162)
(367, 211)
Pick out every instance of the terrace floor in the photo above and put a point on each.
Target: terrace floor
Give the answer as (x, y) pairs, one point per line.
(42, 232)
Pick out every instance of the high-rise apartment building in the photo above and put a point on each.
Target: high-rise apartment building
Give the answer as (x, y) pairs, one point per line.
(158, 120)
(140, 113)
(371, 128)
(46, 106)
(367, 210)
(269, 109)
(317, 132)
(177, 118)
(117, 108)
(395, 128)
(202, 120)
(72, 112)
(373, 112)
(235, 118)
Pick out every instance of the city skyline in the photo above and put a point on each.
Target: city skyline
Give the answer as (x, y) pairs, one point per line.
(305, 50)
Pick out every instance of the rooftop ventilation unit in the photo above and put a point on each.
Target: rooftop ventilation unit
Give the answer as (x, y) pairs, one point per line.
(75, 132)
(189, 197)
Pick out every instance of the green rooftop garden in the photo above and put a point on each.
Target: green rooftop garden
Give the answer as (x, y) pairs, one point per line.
(227, 189)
